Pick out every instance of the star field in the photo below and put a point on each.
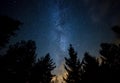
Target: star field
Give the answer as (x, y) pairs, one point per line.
(54, 24)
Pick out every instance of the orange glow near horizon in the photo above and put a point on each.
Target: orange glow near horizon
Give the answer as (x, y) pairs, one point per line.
(60, 74)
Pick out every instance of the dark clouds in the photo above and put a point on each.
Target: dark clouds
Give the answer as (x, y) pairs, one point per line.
(103, 10)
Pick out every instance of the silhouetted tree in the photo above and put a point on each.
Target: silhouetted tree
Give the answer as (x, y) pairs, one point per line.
(8, 26)
(111, 53)
(105, 69)
(72, 66)
(17, 62)
(41, 72)
(89, 68)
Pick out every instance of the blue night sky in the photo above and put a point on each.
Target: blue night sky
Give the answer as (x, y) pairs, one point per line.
(54, 24)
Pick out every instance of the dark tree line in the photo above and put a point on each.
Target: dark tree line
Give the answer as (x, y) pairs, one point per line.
(106, 67)
(20, 65)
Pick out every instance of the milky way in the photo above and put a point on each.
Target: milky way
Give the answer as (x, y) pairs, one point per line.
(54, 24)
(58, 16)
(59, 31)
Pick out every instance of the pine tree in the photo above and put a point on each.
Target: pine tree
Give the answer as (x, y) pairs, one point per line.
(90, 68)
(72, 66)
(111, 67)
(41, 72)
(18, 61)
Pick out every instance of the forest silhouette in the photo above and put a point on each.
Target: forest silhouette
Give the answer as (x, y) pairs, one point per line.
(19, 64)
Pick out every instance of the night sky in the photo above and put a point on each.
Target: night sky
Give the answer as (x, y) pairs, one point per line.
(54, 24)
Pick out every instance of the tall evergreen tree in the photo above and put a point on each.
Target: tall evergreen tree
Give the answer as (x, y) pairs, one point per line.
(72, 66)
(17, 62)
(89, 69)
(111, 67)
(41, 72)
